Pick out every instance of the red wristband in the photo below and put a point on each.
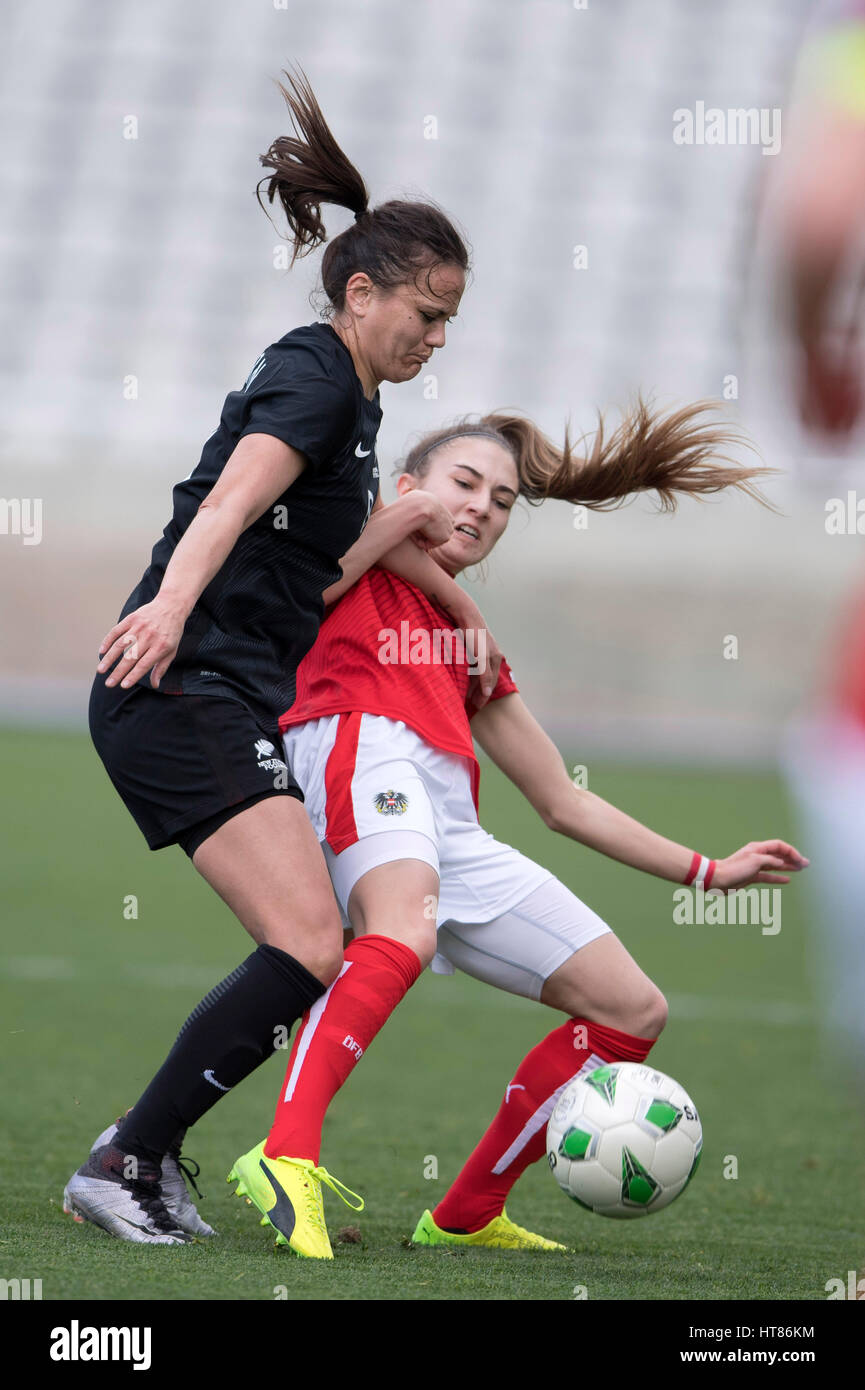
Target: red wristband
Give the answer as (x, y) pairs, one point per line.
(701, 872)
(692, 872)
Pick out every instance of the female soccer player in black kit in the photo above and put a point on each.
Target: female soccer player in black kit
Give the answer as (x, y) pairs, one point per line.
(201, 663)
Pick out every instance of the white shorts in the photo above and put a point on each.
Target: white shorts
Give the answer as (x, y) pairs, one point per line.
(380, 793)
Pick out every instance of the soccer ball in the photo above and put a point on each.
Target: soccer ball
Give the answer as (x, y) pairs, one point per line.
(624, 1140)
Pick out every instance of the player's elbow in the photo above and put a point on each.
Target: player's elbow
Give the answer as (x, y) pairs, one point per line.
(213, 509)
(549, 814)
(229, 513)
(562, 811)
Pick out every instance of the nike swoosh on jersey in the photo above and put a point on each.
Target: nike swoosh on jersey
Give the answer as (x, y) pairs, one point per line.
(281, 1214)
(361, 453)
(208, 1076)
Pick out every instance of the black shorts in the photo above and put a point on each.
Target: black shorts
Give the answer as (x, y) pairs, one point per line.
(185, 764)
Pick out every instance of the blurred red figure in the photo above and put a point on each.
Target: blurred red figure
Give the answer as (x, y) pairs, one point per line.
(821, 202)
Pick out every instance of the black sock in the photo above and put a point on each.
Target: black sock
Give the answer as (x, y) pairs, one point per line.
(176, 1144)
(226, 1037)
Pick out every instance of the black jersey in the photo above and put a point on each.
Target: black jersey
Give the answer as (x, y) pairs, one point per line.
(261, 613)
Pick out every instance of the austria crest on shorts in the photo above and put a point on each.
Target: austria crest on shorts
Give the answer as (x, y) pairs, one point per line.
(390, 803)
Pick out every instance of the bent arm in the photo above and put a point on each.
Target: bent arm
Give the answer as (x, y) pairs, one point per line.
(385, 541)
(420, 569)
(258, 472)
(513, 738)
(387, 527)
(411, 563)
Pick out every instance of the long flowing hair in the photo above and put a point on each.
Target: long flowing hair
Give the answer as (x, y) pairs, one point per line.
(393, 243)
(681, 452)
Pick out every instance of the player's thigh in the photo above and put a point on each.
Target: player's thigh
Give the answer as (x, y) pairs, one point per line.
(552, 947)
(602, 982)
(398, 900)
(527, 941)
(267, 865)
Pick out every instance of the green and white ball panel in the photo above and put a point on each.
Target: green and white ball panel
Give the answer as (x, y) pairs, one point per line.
(673, 1158)
(624, 1140)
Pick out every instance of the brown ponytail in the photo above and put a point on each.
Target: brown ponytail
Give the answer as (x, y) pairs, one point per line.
(648, 452)
(309, 169)
(392, 243)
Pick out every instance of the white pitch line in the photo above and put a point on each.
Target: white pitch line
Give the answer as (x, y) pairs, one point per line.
(61, 968)
(39, 968)
(684, 1008)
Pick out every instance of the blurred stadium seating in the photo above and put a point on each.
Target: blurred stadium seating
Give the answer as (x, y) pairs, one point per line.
(147, 258)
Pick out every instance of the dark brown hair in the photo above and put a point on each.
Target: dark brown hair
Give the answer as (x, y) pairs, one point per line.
(679, 452)
(393, 243)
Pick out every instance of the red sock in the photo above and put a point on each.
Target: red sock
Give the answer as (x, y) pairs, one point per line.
(518, 1134)
(333, 1035)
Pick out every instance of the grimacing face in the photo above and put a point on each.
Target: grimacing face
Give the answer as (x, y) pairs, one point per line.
(476, 480)
(397, 330)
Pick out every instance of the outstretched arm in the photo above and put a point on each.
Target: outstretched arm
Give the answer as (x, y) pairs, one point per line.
(509, 733)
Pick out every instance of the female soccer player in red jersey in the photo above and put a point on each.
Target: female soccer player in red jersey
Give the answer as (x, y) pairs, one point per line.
(380, 738)
(193, 677)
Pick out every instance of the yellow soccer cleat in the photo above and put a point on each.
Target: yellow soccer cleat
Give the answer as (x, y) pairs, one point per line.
(287, 1191)
(499, 1234)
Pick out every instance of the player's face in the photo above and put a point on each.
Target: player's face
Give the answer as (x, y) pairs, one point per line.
(476, 480)
(402, 327)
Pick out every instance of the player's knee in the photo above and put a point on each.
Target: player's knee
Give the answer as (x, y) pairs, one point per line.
(649, 1014)
(324, 965)
(421, 939)
(423, 943)
(323, 960)
(314, 938)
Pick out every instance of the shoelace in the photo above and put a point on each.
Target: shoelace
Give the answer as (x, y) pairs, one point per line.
(515, 1233)
(148, 1194)
(190, 1177)
(317, 1176)
(147, 1191)
(338, 1187)
(180, 1159)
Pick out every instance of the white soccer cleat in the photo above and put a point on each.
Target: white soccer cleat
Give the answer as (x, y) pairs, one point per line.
(128, 1207)
(177, 1198)
(175, 1194)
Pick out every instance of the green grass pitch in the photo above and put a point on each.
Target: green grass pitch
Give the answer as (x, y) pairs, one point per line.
(92, 999)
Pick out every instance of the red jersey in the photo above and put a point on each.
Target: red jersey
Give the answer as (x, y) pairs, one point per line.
(384, 648)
